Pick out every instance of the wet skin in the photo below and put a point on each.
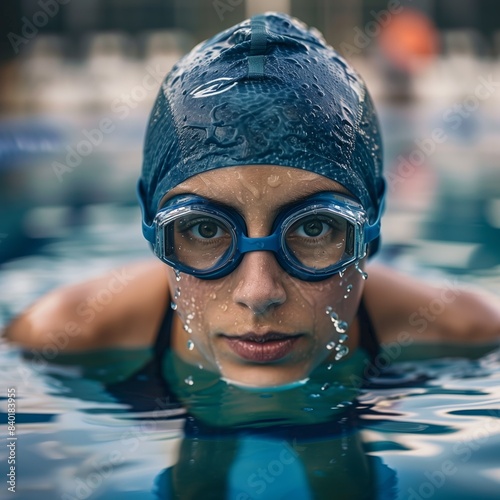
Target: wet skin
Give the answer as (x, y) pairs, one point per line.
(259, 299)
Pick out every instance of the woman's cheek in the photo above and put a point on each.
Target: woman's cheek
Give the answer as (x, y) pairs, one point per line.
(336, 302)
(199, 304)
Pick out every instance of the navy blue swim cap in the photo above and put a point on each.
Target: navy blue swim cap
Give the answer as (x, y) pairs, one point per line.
(266, 91)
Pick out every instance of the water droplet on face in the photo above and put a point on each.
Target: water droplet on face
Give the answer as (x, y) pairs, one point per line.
(325, 386)
(330, 345)
(190, 345)
(177, 275)
(330, 366)
(334, 317)
(177, 293)
(223, 307)
(349, 288)
(173, 306)
(189, 380)
(342, 338)
(342, 272)
(343, 351)
(360, 271)
(329, 309)
(314, 395)
(274, 180)
(213, 296)
(341, 326)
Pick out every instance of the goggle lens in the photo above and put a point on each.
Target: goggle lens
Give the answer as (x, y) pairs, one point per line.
(198, 240)
(317, 241)
(201, 241)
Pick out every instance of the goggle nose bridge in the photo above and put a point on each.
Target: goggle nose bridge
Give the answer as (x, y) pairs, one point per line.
(266, 243)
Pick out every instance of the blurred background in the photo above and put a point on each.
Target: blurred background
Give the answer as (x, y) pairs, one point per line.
(78, 79)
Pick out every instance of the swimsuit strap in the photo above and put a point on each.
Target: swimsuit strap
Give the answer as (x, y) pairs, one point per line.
(368, 337)
(162, 341)
(147, 389)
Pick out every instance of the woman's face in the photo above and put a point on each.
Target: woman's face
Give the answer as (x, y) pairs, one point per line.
(230, 325)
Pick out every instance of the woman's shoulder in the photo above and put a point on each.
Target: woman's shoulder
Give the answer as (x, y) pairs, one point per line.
(451, 312)
(123, 307)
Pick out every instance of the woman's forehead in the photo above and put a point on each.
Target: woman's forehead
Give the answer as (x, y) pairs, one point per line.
(264, 184)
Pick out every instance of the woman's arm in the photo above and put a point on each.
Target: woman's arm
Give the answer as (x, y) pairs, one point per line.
(121, 308)
(448, 314)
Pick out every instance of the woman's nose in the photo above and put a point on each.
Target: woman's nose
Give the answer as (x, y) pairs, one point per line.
(259, 282)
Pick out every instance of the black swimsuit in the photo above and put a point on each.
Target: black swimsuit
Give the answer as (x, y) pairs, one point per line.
(147, 389)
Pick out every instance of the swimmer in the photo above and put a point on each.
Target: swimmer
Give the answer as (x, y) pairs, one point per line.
(262, 195)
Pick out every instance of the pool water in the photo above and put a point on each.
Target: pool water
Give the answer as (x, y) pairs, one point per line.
(422, 428)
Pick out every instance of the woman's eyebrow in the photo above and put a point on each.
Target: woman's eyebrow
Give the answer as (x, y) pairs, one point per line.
(306, 193)
(290, 201)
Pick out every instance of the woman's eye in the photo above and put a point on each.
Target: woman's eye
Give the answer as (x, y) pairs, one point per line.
(207, 230)
(313, 228)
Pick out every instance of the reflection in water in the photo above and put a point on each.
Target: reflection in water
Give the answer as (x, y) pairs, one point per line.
(87, 429)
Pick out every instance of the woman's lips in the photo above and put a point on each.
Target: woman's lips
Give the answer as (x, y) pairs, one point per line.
(262, 348)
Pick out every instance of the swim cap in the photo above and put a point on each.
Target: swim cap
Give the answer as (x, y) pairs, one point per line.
(266, 91)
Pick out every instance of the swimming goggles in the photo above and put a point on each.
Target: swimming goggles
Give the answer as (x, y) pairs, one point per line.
(312, 239)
